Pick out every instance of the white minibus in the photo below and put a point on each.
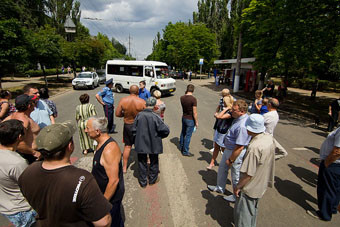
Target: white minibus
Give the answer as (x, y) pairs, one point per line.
(126, 73)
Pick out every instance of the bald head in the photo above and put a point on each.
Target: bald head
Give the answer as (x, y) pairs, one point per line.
(134, 90)
(273, 103)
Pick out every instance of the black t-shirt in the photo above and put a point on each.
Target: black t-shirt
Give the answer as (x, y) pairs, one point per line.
(268, 93)
(188, 102)
(335, 105)
(67, 196)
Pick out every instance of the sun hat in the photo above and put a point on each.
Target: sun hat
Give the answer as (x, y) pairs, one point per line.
(54, 137)
(255, 123)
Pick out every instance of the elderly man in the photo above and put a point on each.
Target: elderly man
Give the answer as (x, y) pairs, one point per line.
(328, 187)
(257, 172)
(62, 194)
(149, 129)
(42, 114)
(25, 105)
(107, 166)
(106, 98)
(235, 143)
(129, 107)
(12, 203)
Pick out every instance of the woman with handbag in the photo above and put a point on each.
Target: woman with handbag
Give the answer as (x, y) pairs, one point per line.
(222, 124)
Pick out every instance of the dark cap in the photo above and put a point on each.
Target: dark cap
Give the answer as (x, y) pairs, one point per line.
(110, 81)
(54, 137)
(25, 99)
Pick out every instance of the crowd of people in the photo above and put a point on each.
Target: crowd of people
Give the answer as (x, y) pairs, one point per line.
(38, 183)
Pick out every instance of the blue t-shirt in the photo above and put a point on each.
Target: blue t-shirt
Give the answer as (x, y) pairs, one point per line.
(107, 95)
(253, 107)
(263, 110)
(41, 114)
(237, 133)
(332, 140)
(145, 94)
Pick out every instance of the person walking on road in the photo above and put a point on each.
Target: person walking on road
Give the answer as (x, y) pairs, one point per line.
(12, 203)
(106, 98)
(149, 130)
(235, 143)
(328, 186)
(83, 112)
(107, 167)
(333, 112)
(67, 195)
(129, 107)
(143, 92)
(189, 119)
(257, 173)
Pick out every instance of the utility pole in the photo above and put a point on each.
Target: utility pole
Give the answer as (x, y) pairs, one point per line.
(129, 45)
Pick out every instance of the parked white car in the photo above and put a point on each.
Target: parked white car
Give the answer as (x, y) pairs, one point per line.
(86, 80)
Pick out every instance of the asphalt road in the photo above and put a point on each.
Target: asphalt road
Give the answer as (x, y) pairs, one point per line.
(181, 197)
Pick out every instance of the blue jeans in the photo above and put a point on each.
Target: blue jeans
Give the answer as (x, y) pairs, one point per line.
(187, 129)
(24, 218)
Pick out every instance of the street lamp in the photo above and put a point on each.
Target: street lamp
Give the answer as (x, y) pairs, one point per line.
(70, 29)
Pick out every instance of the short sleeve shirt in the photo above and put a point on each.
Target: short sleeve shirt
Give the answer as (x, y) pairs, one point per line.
(237, 133)
(41, 114)
(11, 167)
(107, 95)
(270, 121)
(332, 140)
(259, 163)
(188, 102)
(335, 106)
(145, 94)
(67, 196)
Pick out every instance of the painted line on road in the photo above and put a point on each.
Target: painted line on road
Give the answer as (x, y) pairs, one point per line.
(305, 149)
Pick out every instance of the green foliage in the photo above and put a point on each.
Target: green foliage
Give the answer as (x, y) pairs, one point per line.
(184, 44)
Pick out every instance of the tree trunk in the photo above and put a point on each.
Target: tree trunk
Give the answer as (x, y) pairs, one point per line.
(238, 63)
(57, 73)
(74, 70)
(45, 77)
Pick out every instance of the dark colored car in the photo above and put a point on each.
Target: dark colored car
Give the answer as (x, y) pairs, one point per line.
(102, 76)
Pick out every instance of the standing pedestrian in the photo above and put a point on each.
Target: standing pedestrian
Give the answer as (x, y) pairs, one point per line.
(160, 105)
(129, 107)
(235, 143)
(268, 91)
(83, 112)
(42, 114)
(333, 112)
(257, 173)
(62, 194)
(143, 92)
(106, 98)
(68, 70)
(44, 96)
(149, 130)
(189, 119)
(107, 167)
(328, 186)
(6, 108)
(257, 104)
(12, 203)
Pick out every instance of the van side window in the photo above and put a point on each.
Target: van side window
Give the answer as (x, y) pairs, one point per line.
(125, 70)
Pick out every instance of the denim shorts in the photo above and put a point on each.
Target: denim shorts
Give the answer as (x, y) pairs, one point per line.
(24, 218)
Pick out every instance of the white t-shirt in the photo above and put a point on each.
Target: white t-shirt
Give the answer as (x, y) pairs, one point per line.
(270, 121)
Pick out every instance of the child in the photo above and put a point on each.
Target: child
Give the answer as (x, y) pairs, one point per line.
(264, 108)
(256, 106)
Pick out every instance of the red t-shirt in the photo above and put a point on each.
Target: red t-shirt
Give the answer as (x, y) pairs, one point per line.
(188, 102)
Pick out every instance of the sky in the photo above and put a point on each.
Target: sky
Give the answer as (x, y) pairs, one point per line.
(141, 19)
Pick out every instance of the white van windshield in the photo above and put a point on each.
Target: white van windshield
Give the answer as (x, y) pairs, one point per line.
(162, 72)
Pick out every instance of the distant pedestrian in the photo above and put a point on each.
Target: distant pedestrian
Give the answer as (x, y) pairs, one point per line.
(160, 105)
(257, 173)
(149, 130)
(129, 107)
(314, 89)
(44, 96)
(68, 70)
(106, 98)
(107, 167)
(6, 108)
(328, 186)
(13, 205)
(62, 69)
(83, 112)
(189, 119)
(143, 92)
(83, 69)
(257, 104)
(282, 91)
(268, 91)
(333, 112)
(67, 195)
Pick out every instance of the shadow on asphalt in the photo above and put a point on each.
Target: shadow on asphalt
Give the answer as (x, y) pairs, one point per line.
(315, 150)
(295, 193)
(175, 140)
(133, 161)
(207, 143)
(205, 156)
(315, 161)
(218, 209)
(323, 133)
(304, 175)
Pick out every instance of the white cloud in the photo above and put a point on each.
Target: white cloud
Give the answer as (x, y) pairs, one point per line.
(142, 19)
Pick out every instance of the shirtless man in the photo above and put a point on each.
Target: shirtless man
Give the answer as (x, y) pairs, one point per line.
(25, 105)
(129, 107)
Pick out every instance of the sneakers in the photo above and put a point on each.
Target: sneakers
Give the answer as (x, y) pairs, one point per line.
(213, 188)
(188, 154)
(230, 198)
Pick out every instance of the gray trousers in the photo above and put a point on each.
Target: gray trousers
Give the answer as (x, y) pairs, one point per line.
(223, 168)
(245, 211)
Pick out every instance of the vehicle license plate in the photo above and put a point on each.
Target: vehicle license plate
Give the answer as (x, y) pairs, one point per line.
(171, 90)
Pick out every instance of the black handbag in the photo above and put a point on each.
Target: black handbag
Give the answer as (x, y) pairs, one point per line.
(222, 125)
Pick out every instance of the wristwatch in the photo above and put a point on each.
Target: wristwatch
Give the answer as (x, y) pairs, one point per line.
(231, 161)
